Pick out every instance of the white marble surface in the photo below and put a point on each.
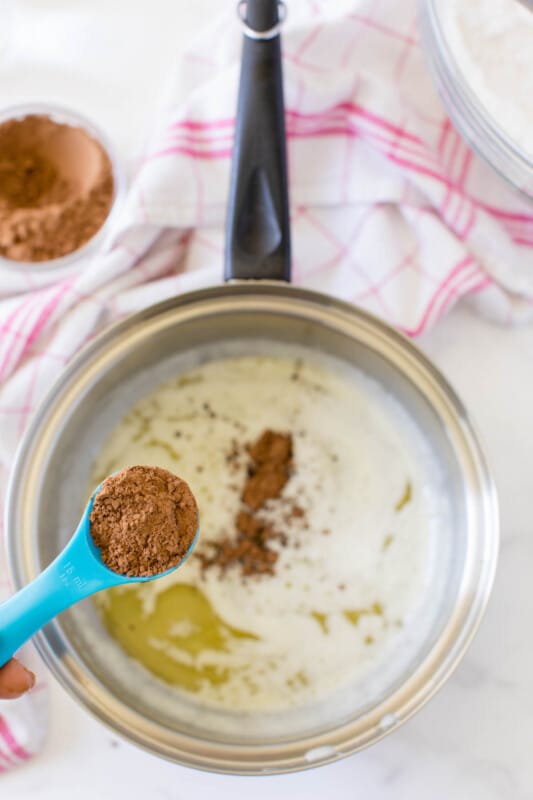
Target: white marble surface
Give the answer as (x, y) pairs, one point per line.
(474, 740)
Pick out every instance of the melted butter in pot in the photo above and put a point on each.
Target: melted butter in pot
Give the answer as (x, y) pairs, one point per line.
(169, 639)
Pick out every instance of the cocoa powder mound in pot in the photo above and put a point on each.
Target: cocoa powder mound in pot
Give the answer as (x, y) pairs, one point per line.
(56, 188)
(143, 520)
(250, 546)
(271, 457)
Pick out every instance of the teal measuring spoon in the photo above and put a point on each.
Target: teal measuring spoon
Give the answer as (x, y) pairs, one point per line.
(77, 572)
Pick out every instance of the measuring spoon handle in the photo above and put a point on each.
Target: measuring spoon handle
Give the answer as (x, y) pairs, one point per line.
(72, 576)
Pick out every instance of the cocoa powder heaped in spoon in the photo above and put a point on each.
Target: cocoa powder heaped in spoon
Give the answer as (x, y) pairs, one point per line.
(143, 520)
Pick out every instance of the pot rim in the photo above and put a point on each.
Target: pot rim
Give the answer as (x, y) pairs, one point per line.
(437, 665)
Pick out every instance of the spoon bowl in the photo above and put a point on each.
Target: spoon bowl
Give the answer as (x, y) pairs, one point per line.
(76, 573)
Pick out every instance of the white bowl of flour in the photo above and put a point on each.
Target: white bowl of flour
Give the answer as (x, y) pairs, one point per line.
(481, 54)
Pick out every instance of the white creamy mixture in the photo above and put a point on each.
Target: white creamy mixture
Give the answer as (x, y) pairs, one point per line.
(492, 43)
(346, 587)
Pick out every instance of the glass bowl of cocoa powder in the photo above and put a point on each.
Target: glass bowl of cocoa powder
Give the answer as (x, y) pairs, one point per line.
(61, 186)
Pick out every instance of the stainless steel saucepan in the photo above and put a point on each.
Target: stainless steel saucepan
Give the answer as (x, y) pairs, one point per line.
(256, 306)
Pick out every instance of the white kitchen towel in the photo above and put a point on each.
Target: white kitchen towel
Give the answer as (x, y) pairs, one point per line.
(390, 210)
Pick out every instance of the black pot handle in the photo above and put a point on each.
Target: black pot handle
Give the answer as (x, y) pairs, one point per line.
(257, 227)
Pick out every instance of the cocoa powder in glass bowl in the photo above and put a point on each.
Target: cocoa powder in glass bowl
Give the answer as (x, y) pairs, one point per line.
(60, 187)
